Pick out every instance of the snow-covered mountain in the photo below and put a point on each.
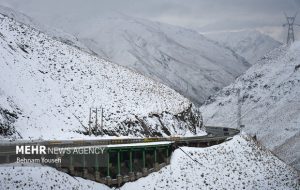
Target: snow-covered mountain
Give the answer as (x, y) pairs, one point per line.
(47, 88)
(270, 99)
(251, 44)
(52, 32)
(237, 164)
(181, 58)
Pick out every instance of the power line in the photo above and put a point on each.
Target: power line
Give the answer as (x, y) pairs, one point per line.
(189, 155)
(290, 24)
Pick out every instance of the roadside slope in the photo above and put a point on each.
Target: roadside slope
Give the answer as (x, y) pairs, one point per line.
(237, 164)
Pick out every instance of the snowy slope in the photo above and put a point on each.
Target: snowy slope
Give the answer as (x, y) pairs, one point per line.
(181, 58)
(42, 177)
(270, 92)
(237, 164)
(250, 44)
(47, 84)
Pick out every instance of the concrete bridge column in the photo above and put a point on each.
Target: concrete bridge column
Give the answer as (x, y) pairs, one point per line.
(71, 167)
(108, 178)
(85, 171)
(167, 160)
(131, 173)
(97, 173)
(119, 176)
(7, 159)
(144, 163)
(156, 165)
(58, 165)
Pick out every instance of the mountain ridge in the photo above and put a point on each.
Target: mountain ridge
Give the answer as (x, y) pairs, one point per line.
(43, 76)
(251, 44)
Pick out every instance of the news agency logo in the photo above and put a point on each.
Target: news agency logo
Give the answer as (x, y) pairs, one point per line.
(30, 149)
(42, 154)
(42, 150)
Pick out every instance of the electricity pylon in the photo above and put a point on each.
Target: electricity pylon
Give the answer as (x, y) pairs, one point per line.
(239, 111)
(290, 23)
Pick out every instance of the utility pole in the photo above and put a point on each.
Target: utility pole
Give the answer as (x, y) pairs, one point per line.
(93, 120)
(96, 123)
(90, 118)
(239, 109)
(101, 126)
(290, 24)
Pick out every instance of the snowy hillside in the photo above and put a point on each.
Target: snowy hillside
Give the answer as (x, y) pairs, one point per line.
(39, 177)
(181, 58)
(250, 44)
(47, 88)
(237, 164)
(270, 92)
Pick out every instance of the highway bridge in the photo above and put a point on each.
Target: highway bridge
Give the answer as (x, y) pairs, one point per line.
(109, 161)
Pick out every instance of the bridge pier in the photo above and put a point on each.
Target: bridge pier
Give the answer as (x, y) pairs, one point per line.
(71, 167)
(85, 170)
(144, 169)
(156, 165)
(118, 163)
(131, 173)
(108, 181)
(119, 176)
(119, 180)
(131, 176)
(97, 173)
(58, 165)
(167, 159)
(108, 178)
(7, 160)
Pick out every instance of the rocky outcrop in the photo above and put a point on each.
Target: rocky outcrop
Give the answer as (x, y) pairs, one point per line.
(188, 121)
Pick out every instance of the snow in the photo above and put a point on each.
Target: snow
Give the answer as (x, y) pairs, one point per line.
(42, 177)
(139, 144)
(47, 83)
(270, 103)
(251, 44)
(237, 164)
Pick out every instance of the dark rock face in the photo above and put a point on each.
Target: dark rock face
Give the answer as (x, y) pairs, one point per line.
(6, 123)
(158, 125)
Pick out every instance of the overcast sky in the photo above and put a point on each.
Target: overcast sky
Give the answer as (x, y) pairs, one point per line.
(203, 15)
